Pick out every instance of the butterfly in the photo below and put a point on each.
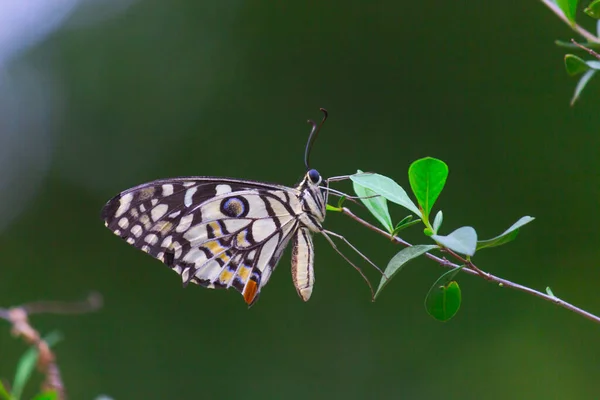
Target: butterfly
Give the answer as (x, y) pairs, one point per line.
(226, 233)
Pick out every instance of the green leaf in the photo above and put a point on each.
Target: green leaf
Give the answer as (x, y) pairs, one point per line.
(437, 221)
(585, 78)
(549, 292)
(569, 45)
(50, 395)
(405, 223)
(575, 65)
(27, 364)
(443, 299)
(463, 240)
(593, 9)
(387, 188)
(399, 261)
(3, 393)
(569, 8)
(427, 178)
(376, 205)
(507, 236)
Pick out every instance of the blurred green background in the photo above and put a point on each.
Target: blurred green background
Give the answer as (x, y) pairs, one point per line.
(189, 87)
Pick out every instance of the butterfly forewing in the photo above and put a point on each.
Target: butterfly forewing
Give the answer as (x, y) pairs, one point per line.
(218, 233)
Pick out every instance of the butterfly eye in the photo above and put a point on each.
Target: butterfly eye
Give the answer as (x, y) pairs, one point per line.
(314, 176)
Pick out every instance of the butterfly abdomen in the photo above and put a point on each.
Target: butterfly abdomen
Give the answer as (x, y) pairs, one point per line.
(303, 274)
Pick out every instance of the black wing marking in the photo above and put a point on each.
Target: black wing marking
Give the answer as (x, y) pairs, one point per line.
(216, 233)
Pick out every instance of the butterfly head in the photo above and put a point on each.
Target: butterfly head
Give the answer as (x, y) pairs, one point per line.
(313, 198)
(313, 177)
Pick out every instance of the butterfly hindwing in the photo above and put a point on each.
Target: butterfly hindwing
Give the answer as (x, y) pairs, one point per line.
(217, 233)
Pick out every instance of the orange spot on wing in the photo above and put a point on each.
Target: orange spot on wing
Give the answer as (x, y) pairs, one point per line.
(244, 272)
(214, 247)
(216, 228)
(226, 276)
(241, 239)
(250, 292)
(224, 257)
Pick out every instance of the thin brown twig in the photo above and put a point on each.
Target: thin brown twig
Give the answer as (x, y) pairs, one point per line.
(468, 263)
(590, 51)
(19, 319)
(92, 303)
(471, 269)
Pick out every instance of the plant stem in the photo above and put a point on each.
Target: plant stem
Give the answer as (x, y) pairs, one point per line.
(19, 319)
(470, 268)
(577, 28)
(590, 51)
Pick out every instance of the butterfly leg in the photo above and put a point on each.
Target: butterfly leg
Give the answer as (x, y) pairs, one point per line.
(326, 234)
(337, 235)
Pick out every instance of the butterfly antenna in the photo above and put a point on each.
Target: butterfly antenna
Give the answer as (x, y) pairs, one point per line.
(313, 136)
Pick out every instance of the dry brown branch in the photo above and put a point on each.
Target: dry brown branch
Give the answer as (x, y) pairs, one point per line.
(18, 317)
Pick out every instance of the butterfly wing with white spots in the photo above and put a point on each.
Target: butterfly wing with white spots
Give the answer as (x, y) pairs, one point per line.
(222, 233)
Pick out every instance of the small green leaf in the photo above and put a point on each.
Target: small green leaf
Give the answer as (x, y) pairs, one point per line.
(427, 178)
(569, 8)
(387, 188)
(443, 299)
(570, 45)
(593, 9)
(50, 395)
(27, 364)
(405, 223)
(585, 78)
(507, 236)
(3, 393)
(549, 291)
(329, 207)
(376, 205)
(399, 261)
(463, 240)
(575, 65)
(437, 222)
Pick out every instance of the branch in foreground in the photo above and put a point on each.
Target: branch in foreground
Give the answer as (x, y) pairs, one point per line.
(590, 51)
(577, 28)
(472, 269)
(18, 317)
